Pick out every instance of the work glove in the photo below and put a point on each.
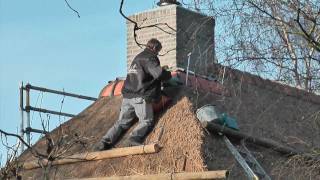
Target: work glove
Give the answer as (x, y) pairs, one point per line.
(174, 81)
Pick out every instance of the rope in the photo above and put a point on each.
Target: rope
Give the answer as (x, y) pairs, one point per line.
(171, 176)
(224, 72)
(143, 149)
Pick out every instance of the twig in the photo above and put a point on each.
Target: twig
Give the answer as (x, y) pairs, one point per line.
(136, 27)
(173, 49)
(308, 36)
(72, 8)
(22, 141)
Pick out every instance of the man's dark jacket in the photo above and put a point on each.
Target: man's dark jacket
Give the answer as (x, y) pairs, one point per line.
(144, 77)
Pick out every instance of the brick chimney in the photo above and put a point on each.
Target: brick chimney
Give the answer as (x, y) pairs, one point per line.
(193, 33)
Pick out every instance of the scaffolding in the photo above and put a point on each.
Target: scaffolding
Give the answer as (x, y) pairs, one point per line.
(25, 125)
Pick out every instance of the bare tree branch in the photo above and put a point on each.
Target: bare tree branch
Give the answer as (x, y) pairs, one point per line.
(66, 1)
(307, 35)
(136, 27)
(37, 154)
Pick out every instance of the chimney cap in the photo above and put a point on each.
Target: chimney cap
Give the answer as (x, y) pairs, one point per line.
(167, 2)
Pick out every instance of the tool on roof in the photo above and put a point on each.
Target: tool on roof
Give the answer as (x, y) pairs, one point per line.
(174, 81)
(264, 142)
(209, 114)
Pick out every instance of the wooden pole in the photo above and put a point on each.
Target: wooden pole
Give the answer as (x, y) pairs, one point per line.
(268, 143)
(93, 156)
(222, 174)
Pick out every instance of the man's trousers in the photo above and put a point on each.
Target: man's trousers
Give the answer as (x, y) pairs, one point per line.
(130, 109)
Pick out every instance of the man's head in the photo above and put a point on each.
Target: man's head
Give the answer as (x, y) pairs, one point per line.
(154, 45)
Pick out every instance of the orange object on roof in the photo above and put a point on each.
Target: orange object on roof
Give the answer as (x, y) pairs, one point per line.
(114, 89)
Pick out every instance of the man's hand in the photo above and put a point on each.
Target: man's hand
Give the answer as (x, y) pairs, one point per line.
(165, 75)
(165, 67)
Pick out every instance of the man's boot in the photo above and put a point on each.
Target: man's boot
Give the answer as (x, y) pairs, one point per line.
(129, 142)
(102, 146)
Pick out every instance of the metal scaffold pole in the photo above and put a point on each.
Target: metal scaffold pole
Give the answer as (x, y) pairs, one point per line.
(22, 117)
(25, 126)
(29, 86)
(28, 114)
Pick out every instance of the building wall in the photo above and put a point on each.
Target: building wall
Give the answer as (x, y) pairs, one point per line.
(187, 32)
(160, 15)
(195, 35)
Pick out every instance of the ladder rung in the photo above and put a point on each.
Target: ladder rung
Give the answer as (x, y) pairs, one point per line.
(260, 175)
(243, 154)
(251, 164)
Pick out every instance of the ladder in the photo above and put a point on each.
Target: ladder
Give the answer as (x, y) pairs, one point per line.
(251, 166)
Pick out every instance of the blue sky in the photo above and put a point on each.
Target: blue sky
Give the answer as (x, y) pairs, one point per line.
(45, 43)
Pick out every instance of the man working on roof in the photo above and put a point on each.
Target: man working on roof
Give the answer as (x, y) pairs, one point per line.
(141, 88)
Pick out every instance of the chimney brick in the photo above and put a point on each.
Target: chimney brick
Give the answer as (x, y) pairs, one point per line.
(194, 32)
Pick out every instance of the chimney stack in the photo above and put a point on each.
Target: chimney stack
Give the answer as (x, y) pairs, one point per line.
(187, 32)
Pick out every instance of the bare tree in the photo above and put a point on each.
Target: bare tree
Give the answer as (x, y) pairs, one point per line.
(278, 40)
(56, 147)
(9, 169)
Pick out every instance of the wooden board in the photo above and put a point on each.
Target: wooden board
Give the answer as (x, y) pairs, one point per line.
(221, 174)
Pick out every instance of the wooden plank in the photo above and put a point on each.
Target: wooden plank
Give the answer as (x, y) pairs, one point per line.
(93, 156)
(221, 174)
